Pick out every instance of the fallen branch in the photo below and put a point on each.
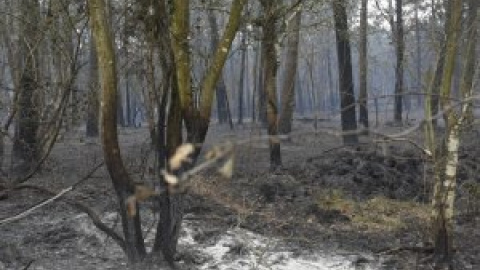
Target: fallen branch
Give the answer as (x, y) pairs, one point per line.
(80, 206)
(416, 249)
(35, 207)
(50, 200)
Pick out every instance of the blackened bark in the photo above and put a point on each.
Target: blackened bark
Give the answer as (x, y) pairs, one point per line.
(93, 97)
(363, 62)
(399, 65)
(241, 81)
(345, 76)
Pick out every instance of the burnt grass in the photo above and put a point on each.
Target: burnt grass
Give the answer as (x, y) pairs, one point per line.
(366, 199)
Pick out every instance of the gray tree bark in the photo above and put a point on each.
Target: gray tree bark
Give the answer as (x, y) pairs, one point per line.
(399, 50)
(289, 82)
(363, 62)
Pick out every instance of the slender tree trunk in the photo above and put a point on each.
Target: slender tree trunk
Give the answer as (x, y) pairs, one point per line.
(331, 90)
(445, 179)
(241, 81)
(93, 98)
(300, 107)
(26, 145)
(269, 52)
(262, 105)
(256, 82)
(434, 88)
(128, 109)
(123, 185)
(363, 62)
(120, 115)
(419, 55)
(288, 91)
(399, 49)
(149, 92)
(345, 76)
(470, 59)
(223, 109)
(171, 205)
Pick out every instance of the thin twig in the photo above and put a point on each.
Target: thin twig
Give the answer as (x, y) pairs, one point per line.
(79, 205)
(50, 200)
(35, 207)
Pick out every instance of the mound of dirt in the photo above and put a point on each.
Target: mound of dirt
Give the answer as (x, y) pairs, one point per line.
(364, 173)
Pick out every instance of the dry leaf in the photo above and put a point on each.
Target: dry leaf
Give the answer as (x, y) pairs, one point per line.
(131, 206)
(227, 169)
(181, 155)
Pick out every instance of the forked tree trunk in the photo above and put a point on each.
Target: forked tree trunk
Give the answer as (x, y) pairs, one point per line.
(182, 107)
(166, 133)
(289, 82)
(345, 76)
(197, 118)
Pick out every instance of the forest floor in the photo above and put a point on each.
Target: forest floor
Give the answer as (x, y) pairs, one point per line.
(329, 207)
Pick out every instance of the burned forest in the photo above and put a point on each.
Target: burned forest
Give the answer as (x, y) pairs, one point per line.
(240, 134)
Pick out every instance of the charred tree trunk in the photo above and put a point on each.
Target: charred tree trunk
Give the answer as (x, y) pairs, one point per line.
(345, 76)
(93, 98)
(399, 50)
(171, 205)
(418, 55)
(241, 80)
(363, 62)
